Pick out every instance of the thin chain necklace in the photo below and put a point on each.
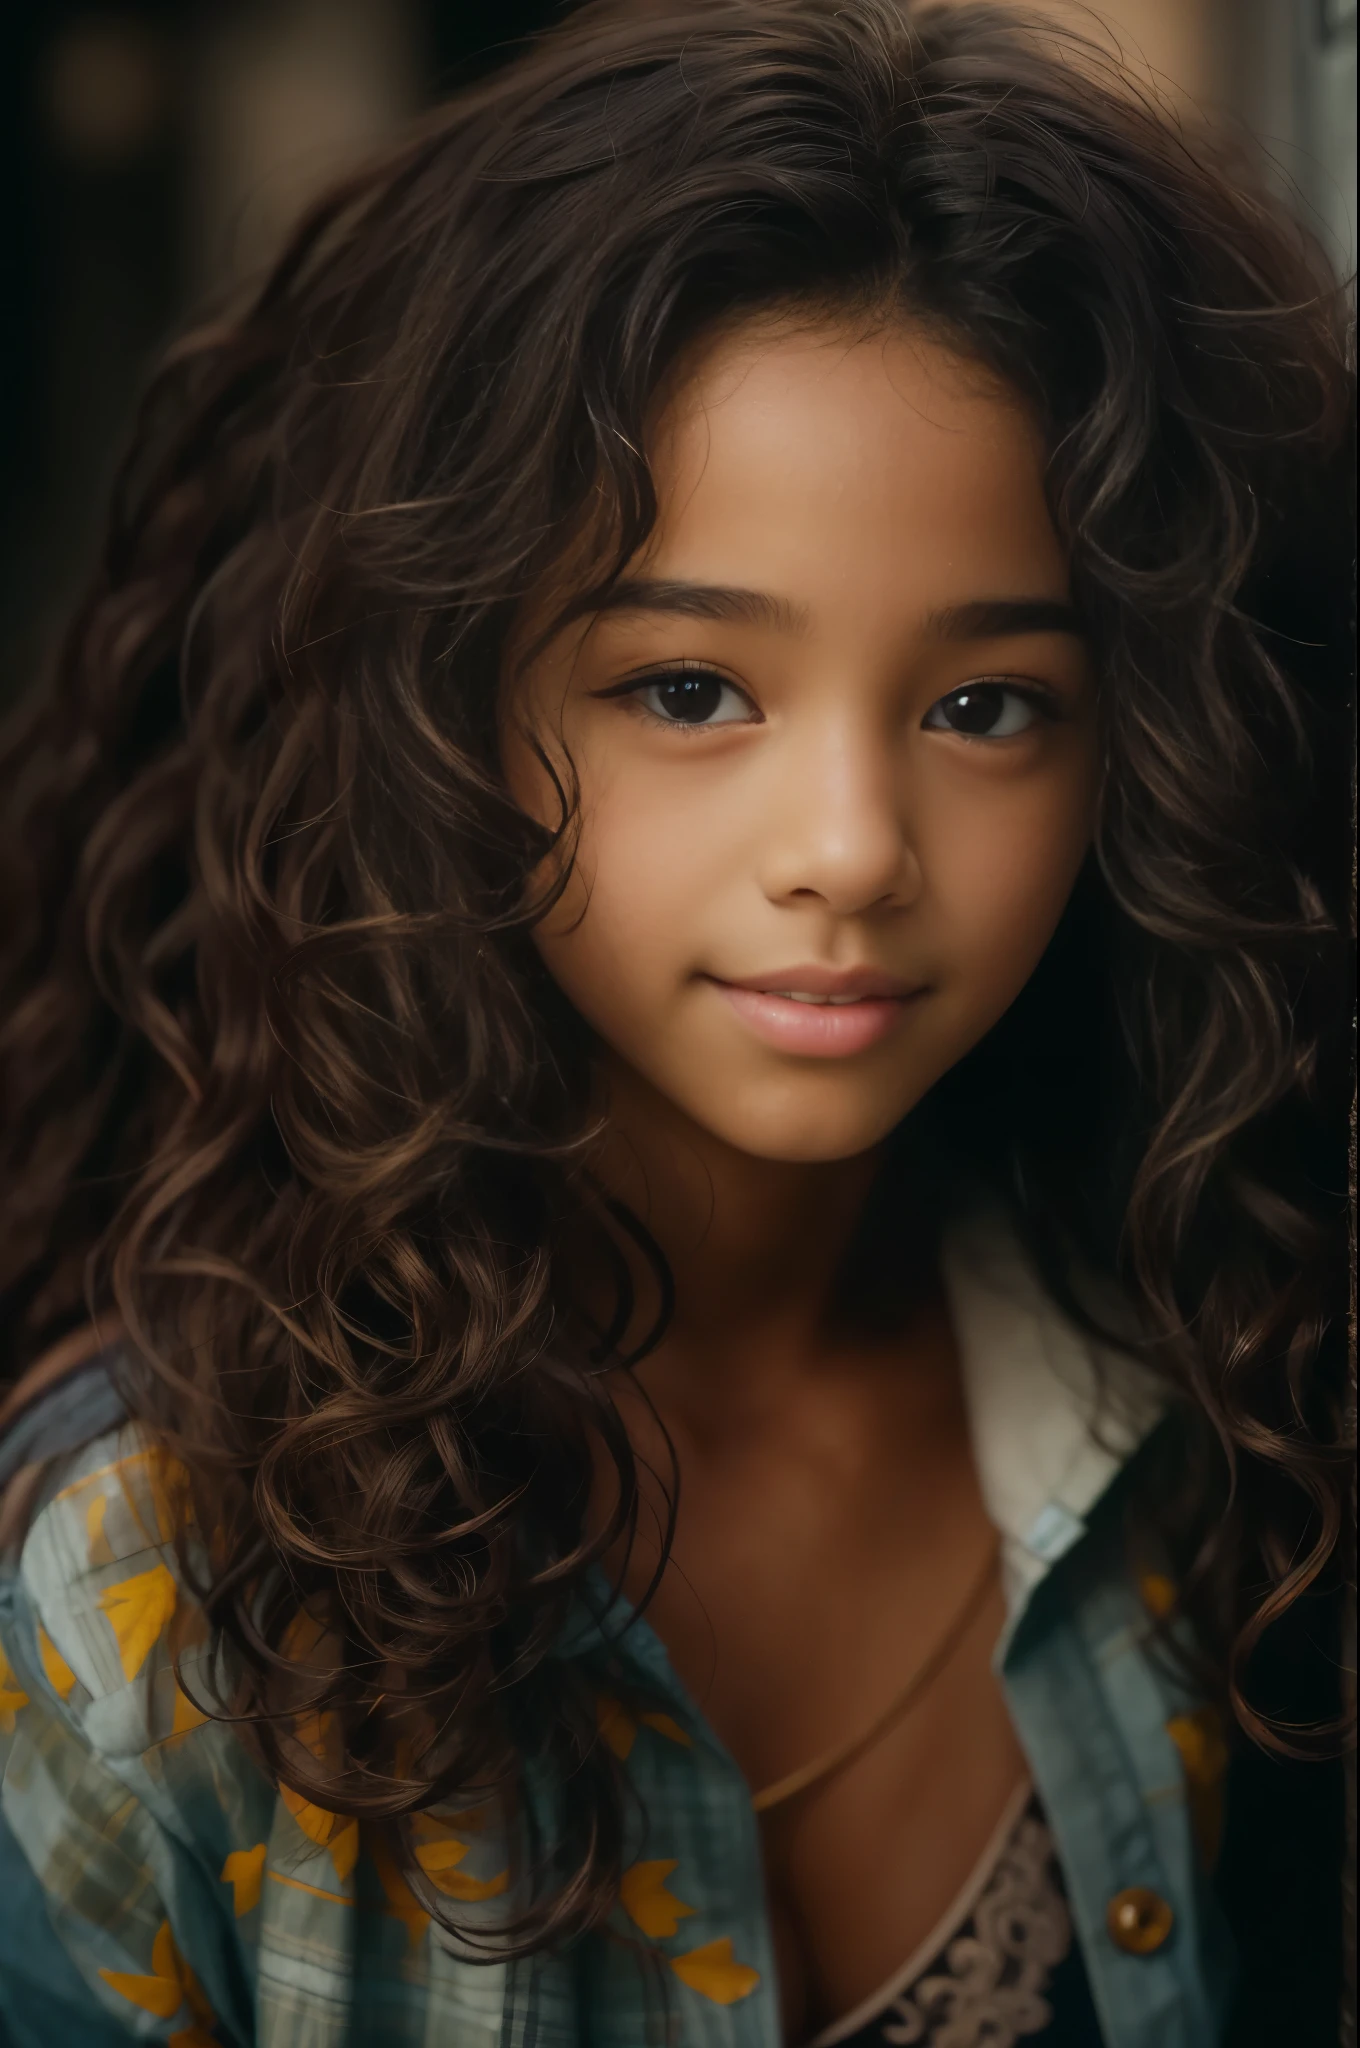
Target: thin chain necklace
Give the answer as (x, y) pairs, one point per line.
(916, 1686)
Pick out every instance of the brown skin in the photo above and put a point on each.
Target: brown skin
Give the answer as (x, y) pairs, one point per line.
(826, 813)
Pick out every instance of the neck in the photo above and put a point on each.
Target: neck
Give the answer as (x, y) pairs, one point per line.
(754, 1245)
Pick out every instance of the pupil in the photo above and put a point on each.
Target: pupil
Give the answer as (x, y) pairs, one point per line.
(975, 710)
(690, 699)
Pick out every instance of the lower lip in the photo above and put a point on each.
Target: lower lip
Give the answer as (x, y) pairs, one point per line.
(819, 1031)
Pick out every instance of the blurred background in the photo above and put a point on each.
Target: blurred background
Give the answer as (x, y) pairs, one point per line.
(157, 149)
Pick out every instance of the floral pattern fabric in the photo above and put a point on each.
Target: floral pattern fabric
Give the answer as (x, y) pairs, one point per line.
(154, 1886)
(155, 1840)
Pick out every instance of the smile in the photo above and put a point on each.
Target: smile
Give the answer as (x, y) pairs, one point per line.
(819, 1013)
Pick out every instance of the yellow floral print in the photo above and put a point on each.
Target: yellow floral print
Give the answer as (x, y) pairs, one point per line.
(138, 1609)
(615, 1724)
(401, 1900)
(1159, 1594)
(101, 1550)
(244, 1872)
(618, 1728)
(166, 1480)
(171, 1986)
(333, 1831)
(187, 1715)
(56, 1670)
(328, 1830)
(440, 1853)
(714, 1972)
(344, 1848)
(671, 1729)
(646, 1901)
(302, 1635)
(11, 1697)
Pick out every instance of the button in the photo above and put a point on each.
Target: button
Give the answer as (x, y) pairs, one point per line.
(1139, 1920)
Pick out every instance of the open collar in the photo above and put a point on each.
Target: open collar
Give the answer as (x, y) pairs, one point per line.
(1055, 1415)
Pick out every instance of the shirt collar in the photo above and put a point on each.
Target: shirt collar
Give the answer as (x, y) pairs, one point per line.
(1054, 1414)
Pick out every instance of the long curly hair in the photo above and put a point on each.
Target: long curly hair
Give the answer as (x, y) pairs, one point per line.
(284, 1085)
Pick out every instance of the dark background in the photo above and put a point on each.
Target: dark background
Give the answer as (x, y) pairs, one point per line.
(153, 150)
(149, 153)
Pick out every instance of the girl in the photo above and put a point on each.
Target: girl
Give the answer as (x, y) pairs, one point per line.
(671, 1056)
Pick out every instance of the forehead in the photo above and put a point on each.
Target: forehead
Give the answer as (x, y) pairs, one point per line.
(843, 455)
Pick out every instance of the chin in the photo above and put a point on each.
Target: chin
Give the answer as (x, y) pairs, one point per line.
(803, 1134)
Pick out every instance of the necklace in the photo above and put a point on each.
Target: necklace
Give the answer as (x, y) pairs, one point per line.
(919, 1682)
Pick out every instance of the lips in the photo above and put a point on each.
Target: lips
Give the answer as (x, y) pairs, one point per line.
(821, 1012)
(815, 983)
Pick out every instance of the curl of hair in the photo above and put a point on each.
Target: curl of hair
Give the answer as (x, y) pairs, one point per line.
(282, 1080)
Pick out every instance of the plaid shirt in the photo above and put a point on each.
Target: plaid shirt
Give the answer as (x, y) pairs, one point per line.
(158, 1887)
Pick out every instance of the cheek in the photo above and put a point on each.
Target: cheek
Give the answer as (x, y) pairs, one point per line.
(615, 942)
(1001, 872)
(618, 940)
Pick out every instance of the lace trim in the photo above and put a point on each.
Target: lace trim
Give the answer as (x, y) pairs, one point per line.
(1010, 1929)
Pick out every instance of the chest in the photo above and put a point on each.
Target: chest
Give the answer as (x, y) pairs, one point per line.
(795, 1608)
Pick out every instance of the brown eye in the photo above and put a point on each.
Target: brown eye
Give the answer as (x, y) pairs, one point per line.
(694, 697)
(984, 711)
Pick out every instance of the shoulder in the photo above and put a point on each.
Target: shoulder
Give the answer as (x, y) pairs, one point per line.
(100, 1610)
(107, 1655)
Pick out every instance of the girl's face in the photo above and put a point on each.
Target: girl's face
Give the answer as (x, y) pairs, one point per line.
(835, 737)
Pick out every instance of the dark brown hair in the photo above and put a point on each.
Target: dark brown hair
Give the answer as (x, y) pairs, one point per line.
(282, 1081)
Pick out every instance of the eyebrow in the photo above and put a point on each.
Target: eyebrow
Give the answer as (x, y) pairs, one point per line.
(998, 618)
(984, 618)
(703, 601)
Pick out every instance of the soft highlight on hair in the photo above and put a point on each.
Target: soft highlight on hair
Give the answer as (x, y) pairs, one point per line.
(283, 1080)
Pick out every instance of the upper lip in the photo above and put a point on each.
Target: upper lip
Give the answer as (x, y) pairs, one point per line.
(824, 981)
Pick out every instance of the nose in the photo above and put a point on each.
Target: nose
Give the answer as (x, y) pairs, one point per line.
(836, 829)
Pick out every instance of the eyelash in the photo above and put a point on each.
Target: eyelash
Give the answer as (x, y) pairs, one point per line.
(1040, 700)
(635, 685)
